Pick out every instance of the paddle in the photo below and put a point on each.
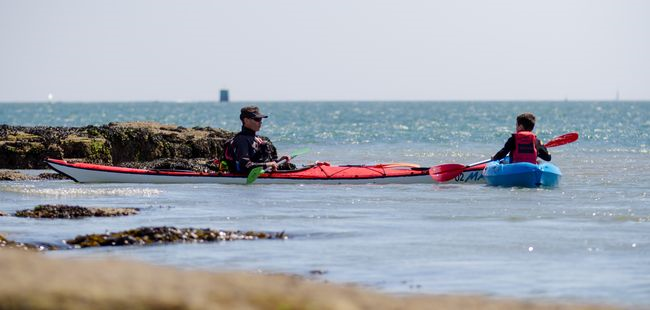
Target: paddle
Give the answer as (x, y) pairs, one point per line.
(446, 172)
(257, 171)
(562, 140)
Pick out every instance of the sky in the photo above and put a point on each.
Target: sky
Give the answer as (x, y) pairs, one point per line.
(295, 50)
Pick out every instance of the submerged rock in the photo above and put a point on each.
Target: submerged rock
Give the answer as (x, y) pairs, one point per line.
(52, 176)
(112, 144)
(12, 175)
(162, 235)
(69, 212)
(8, 244)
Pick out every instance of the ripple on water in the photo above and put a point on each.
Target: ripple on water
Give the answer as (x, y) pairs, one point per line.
(79, 191)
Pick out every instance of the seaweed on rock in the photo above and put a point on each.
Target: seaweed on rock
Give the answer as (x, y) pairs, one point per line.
(70, 212)
(165, 234)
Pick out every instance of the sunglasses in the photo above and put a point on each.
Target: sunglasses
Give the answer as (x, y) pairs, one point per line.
(257, 119)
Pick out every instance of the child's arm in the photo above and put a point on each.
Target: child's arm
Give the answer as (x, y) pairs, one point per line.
(509, 146)
(542, 152)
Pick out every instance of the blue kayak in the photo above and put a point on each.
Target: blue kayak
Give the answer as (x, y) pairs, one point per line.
(502, 173)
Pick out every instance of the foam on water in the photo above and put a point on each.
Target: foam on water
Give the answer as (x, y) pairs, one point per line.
(35, 189)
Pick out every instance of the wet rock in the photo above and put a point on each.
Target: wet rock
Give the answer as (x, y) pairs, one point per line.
(163, 235)
(11, 175)
(70, 212)
(2, 213)
(52, 176)
(113, 144)
(92, 149)
(178, 164)
(317, 272)
(9, 244)
(26, 147)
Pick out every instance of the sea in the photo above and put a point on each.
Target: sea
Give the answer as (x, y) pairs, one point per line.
(586, 241)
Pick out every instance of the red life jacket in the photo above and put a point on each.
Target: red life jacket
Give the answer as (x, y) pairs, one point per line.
(525, 147)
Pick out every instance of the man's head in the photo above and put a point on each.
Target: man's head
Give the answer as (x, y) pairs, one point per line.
(526, 121)
(251, 117)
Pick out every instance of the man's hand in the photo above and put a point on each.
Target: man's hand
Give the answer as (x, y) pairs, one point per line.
(272, 165)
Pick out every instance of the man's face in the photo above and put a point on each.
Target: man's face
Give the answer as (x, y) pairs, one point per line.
(253, 124)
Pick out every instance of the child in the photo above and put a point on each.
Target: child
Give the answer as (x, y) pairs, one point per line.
(524, 146)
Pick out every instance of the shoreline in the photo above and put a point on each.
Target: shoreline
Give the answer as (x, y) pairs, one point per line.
(32, 280)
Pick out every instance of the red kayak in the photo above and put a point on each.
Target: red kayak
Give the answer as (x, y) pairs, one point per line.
(319, 173)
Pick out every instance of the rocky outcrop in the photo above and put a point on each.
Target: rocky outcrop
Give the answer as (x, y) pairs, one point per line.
(176, 164)
(113, 144)
(9, 244)
(162, 235)
(70, 212)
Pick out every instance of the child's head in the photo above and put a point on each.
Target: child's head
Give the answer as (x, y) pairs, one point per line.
(526, 121)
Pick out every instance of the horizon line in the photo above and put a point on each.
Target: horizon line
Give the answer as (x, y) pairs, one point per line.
(181, 101)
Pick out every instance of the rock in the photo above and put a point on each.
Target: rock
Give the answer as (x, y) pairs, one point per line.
(8, 244)
(26, 147)
(162, 235)
(113, 144)
(107, 212)
(92, 149)
(317, 272)
(2, 213)
(11, 175)
(179, 164)
(69, 212)
(52, 176)
(138, 142)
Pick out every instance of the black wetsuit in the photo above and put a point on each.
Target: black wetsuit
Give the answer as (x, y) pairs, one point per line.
(249, 151)
(542, 152)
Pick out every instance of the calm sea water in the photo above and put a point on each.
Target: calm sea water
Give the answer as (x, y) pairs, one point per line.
(588, 240)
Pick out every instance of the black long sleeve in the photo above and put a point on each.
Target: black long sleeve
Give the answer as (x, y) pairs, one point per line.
(509, 146)
(542, 152)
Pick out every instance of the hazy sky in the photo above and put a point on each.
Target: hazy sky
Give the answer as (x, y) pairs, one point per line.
(324, 50)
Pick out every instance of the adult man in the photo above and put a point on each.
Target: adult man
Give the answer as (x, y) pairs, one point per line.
(247, 150)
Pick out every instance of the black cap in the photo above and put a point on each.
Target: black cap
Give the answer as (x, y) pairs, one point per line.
(251, 112)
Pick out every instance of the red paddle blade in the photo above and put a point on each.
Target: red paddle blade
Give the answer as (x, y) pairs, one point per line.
(445, 172)
(562, 140)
